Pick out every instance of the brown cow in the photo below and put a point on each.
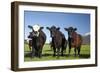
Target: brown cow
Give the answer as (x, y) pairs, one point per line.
(74, 40)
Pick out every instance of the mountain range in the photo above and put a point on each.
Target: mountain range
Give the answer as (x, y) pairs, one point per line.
(86, 39)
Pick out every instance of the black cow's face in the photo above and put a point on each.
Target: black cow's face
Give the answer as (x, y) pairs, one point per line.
(35, 31)
(70, 30)
(53, 30)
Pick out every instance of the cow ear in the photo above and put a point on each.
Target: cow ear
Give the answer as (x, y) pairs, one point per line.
(30, 27)
(66, 29)
(41, 28)
(58, 28)
(48, 28)
(75, 29)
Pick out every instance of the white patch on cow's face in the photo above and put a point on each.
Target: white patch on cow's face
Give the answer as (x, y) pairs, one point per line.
(36, 28)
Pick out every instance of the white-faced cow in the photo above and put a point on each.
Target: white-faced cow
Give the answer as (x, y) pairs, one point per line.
(38, 40)
(59, 42)
(74, 40)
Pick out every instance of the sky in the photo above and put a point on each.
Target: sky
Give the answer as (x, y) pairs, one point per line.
(59, 19)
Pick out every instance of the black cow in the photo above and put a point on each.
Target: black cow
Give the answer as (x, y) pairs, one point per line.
(74, 40)
(59, 42)
(38, 40)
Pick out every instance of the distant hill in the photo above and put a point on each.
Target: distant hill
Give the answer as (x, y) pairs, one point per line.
(86, 39)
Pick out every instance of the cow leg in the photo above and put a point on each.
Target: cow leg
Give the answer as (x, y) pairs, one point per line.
(30, 48)
(69, 49)
(36, 52)
(69, 45)
(58, 52)
(62, 51)
(40, 52)
(33, 52)
(54, 49)
(75, 51)
(78, 51)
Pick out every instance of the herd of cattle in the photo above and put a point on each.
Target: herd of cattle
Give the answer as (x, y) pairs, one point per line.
(58, 43)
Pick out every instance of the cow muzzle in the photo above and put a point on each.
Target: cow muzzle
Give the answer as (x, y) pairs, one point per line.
(36, 34)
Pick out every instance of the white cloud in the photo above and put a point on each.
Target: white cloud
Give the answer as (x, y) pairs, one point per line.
(88, 33)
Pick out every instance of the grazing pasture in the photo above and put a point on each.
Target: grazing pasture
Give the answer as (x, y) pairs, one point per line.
(48, 52)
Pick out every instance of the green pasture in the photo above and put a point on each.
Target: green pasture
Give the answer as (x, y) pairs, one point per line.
(47, 54)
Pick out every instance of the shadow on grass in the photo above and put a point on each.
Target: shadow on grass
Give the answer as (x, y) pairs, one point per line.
(84, 56)
(47, 54)
(28, 54)
(48, 50)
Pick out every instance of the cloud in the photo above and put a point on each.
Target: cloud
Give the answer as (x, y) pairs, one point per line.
(88, 33)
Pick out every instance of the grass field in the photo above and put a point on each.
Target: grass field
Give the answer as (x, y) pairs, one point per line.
(47, 53)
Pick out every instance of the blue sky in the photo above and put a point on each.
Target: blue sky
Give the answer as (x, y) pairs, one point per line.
(79, 20)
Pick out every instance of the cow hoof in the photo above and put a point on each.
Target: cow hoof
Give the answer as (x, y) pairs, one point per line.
(68, 54)
(75, 55)
(78, 55)
(32, 57)
(54, 55)
(62, 55)
(57, 57)
(40, 57)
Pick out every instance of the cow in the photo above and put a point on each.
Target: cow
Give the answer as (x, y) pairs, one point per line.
(74, 40)
(59, 42)
(30, 44)
(38, 40)
(30, 41)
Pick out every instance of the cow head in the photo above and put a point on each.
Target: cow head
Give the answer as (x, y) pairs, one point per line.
(35, 30)
(53, 30)
(70, 30)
